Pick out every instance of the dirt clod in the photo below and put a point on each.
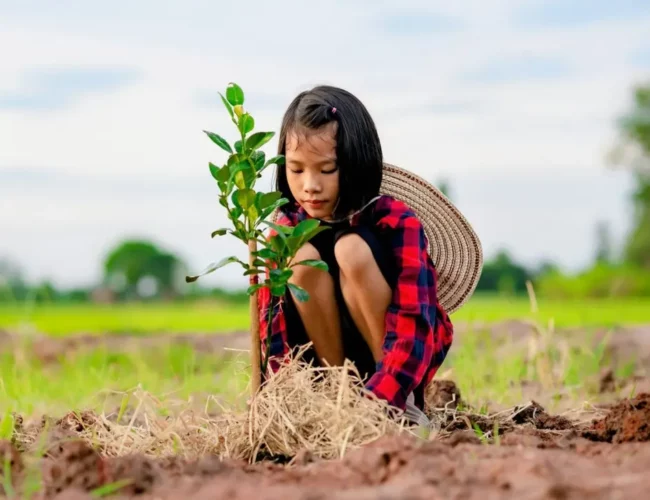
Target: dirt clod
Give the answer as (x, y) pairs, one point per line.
(607, 381)
(535, 414)
(462, 437)
(76, 465)
(442, 394)
(78, 422)
(73, 494)
(139, 473)
(627, 421)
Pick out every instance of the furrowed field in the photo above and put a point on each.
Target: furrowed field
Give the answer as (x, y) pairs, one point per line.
(169, 365)
(154, 380)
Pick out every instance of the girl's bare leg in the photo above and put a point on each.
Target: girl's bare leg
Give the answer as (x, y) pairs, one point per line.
(320, 314)
(365, 291)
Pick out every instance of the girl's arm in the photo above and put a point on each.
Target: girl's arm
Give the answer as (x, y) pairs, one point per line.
(414, 338)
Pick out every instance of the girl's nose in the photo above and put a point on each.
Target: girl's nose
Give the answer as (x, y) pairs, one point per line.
(312, 185)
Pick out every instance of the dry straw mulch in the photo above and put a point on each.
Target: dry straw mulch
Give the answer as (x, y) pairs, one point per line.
(324, 411)
(321, 411)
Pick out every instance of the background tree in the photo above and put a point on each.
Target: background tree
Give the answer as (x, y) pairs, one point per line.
(604, 245)
(503, 274)
(134, 263)
(12, 282)
(633, 152)
(444, 186)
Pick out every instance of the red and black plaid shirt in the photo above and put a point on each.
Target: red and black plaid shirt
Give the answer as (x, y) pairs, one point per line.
(418, 332)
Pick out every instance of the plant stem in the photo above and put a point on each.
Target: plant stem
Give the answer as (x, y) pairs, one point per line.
(256, 376)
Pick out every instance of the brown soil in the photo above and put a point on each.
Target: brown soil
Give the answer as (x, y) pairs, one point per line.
(531, 455)
(626, 343)
(627, 421)
(526, 453)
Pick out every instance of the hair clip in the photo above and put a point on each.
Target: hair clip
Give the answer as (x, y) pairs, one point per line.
(333, 110)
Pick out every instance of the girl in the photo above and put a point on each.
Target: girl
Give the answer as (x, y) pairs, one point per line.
(378, 304)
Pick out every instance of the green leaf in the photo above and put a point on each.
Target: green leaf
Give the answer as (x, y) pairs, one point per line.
(293, 244)
(318, 264)
(278, 276)
(305, 227)
(234, 94)
(245, 198)
(123, 406)
(235, 214)
(258, 139)
(240, 179)
(299, 293)
(219, 232)
(7, 426)
(238, 147)
(224, 174)
(314, 232)
(227, 105)
(278, 243)
(214, 170)
(246, 178)
(279, 290)
(277, 160)
(254, 271)
(283, 231)
(235, 158)
(266, 253)
(253, 214)
(253, 288)
(212, 268)
(268, 199)
(219, 141)
(258, 158)
(246, 123)
(267, 211)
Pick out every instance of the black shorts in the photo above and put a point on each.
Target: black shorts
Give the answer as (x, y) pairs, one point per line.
(354, 346)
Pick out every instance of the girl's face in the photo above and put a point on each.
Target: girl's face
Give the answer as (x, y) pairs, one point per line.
(312, 173)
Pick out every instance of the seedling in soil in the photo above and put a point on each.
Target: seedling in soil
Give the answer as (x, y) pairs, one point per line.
(249, 212)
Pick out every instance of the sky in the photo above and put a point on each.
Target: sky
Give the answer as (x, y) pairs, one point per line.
(514, 103)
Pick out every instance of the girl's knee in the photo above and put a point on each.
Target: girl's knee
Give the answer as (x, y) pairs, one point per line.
(303, 275)
(353, 255)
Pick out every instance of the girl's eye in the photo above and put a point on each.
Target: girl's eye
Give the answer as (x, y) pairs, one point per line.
(295, 171)
(330, 171)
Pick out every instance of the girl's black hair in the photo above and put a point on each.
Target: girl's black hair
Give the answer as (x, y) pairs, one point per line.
(358, 149)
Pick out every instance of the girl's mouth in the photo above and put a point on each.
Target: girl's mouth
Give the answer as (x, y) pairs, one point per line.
(315, 203)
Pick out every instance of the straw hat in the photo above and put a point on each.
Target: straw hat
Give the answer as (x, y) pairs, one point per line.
(453, 246)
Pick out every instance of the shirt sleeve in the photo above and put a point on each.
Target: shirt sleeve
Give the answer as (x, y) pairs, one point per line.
(410, 319)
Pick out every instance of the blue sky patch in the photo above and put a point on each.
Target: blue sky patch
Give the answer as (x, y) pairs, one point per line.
(525, 68)
(53, 88)
(418, 23)
(556, 13)
(641, 57)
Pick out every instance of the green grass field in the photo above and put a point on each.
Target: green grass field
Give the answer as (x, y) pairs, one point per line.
(81, 380)
(214, 318)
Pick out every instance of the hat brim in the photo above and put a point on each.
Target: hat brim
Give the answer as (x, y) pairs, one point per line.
(453, 246)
